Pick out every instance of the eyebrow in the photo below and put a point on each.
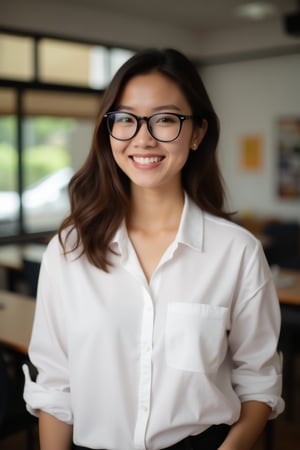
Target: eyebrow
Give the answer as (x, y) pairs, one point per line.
(158, 108)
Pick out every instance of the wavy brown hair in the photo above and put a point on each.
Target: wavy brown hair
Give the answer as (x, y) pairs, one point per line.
(100, 191)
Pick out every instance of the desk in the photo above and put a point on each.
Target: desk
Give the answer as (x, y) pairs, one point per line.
(288, 286)
(16, 320)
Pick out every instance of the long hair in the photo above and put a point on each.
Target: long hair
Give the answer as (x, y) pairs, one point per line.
(100, 191)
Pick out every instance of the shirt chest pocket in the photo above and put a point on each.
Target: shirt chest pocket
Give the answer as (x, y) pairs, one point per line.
(195, 336)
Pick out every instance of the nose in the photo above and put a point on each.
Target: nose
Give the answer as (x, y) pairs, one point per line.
(143, 136)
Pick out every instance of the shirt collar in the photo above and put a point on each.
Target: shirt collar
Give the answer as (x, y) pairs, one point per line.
(190, 231)
(191, 227)
(121, 239)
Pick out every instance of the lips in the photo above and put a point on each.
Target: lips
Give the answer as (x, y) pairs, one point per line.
(146, 160)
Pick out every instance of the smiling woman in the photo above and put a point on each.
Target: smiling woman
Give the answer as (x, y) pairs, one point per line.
(152, 304)
(165, 141)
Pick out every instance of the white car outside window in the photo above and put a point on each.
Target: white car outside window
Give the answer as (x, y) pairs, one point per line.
(45, 203)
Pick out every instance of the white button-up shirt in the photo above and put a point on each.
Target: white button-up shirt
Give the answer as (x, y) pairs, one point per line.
(137, 365)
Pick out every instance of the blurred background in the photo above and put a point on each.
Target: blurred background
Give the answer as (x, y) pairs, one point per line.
(57, 57)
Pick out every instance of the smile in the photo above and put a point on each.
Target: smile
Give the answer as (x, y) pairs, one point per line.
(144, 160)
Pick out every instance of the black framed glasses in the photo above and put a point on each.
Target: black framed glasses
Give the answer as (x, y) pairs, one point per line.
(164, 127)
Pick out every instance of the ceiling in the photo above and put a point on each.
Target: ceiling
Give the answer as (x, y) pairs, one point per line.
(204, 29)
(200, 15)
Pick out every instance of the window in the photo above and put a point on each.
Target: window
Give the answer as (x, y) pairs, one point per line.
(79, 64)
(73, 64)
(56, 132)
(51, 149)
(8, 160)
(50, 91)
(16, 57)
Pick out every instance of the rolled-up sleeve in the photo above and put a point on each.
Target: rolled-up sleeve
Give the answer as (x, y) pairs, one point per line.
(37, 397)
(257, 365)
(50, 391)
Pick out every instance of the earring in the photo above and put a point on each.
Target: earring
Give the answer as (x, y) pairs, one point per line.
(194, 146)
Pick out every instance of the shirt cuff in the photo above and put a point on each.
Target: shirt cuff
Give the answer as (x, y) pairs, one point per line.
(54, 402)
(266, 389)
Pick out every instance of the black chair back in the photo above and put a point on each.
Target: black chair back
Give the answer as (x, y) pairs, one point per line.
(31, 271)
(14, 416)
(3, 389)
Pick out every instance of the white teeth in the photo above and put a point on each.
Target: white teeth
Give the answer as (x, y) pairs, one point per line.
(147, 160)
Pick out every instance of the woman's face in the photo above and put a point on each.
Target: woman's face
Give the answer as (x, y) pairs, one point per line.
(147, 162)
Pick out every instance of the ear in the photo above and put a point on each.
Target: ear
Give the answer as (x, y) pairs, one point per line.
(198, 135)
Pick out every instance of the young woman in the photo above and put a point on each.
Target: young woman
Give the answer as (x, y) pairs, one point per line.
(157, 319)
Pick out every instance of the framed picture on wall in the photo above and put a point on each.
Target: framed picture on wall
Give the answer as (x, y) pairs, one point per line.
(251, 156)
(288, 160)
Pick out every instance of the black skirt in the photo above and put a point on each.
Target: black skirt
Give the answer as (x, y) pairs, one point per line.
(210, 439)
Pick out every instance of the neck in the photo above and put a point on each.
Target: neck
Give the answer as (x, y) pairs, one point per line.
(153, 210)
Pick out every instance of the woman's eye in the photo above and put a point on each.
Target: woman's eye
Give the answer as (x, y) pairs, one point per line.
(165, 119)
(123, 118)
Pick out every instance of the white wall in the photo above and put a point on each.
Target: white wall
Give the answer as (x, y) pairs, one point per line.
(249, 97)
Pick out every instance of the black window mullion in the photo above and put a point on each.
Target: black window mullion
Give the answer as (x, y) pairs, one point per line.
(36, 65)
(20, 146)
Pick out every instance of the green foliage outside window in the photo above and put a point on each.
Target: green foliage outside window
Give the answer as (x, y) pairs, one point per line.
(42, 160)
(46, 150)
(8, 167)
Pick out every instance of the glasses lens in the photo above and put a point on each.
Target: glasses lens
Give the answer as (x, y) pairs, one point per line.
(165, 126)
(122, 125)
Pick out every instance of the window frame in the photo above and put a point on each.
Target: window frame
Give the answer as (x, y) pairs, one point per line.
(36, 84)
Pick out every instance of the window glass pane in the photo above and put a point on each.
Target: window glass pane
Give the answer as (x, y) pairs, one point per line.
(9, 198)
(99, 75)
(118, 57)
(64, 104)
(52, 153)
(16, 57)
(57, 131)
(72, 63)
